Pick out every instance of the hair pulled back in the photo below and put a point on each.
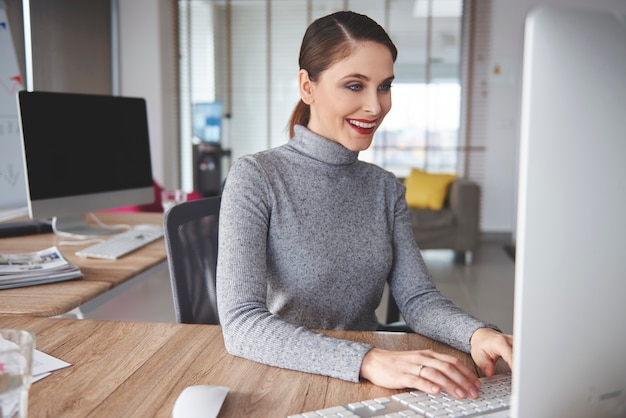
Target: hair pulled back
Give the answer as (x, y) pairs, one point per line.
(330, 39)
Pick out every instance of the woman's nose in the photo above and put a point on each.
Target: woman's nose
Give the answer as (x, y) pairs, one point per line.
(372, 104)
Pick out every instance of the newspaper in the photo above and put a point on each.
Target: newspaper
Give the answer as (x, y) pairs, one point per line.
(28, 269)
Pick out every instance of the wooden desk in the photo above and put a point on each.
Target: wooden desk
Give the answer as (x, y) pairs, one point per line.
(124, 369)
(100, 275)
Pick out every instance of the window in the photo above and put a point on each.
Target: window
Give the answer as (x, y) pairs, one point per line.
(421, 131)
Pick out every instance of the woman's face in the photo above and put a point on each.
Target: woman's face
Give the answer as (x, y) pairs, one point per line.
(351, 98)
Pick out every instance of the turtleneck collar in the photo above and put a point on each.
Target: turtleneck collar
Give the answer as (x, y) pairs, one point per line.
(322, 149)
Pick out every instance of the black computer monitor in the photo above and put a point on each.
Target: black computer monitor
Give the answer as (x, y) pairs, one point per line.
(83, 153)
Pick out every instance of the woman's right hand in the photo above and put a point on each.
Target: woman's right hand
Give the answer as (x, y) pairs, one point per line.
(425, 370)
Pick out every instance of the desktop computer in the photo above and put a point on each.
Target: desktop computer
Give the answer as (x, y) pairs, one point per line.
(570, 315)
(83, 153)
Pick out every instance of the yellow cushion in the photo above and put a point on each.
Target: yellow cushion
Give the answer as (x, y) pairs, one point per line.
(425, 190)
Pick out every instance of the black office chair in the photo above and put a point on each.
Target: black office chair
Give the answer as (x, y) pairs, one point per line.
(191, 231)
(394, 322)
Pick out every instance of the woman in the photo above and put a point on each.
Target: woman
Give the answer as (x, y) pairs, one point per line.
(309, 235)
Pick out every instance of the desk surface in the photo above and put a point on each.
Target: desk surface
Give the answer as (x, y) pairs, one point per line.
(125, 369)
(99, 275)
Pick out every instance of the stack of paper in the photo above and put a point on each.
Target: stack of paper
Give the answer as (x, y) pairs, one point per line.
(28, 269)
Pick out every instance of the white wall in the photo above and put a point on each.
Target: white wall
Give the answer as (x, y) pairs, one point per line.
(148, 61)
(503, 120)
(500, 193)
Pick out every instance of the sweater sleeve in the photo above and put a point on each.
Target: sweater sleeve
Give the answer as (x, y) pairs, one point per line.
(423, 307)
(250, 330)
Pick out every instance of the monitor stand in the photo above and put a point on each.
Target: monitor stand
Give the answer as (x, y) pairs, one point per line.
(76, 226)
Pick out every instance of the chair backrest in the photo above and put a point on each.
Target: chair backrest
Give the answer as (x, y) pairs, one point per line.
(191, 231)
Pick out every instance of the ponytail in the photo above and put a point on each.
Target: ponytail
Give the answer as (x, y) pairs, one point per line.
(300, 116)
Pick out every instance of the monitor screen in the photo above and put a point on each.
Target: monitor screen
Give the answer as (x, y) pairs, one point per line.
(83, 153)
(207, 121)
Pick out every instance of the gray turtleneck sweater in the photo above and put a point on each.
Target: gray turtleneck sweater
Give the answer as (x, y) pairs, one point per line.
(309, 235)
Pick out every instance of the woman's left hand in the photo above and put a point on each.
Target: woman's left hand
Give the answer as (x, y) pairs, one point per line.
(487, 346)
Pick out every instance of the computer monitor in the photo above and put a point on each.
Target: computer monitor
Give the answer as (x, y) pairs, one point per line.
(207, 121)
(83, 153)
(570, 289)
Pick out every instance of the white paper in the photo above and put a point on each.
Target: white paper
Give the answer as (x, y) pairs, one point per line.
(44, 364)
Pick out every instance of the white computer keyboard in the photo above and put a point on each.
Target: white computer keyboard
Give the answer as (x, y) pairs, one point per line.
(494, 398)
(123, 243)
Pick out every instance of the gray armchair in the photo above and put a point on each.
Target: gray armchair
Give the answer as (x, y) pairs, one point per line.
(456, 226)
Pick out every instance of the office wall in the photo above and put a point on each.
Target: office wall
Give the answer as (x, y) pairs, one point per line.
(71, 47)
(148, 62)
(71, 41)
(500, 193)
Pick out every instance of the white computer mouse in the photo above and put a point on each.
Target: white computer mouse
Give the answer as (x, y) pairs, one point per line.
(201, 401)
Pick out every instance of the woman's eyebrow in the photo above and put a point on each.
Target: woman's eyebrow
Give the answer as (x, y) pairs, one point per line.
(356, 75)
(366, 78)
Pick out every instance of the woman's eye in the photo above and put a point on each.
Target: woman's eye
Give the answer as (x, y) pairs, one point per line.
(385, 87)
(354, 87)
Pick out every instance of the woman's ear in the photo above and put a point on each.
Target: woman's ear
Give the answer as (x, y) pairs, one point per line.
(306, 87)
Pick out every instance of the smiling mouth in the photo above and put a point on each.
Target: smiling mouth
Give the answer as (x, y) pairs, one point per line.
(364, 125)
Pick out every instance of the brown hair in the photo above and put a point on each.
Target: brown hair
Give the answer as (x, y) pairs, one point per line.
(328, 40)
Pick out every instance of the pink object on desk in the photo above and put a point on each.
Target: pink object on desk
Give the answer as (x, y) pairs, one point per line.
(155, 206)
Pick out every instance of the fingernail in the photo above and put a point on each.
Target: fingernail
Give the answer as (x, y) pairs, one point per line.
(473, 393)
(459, 393)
